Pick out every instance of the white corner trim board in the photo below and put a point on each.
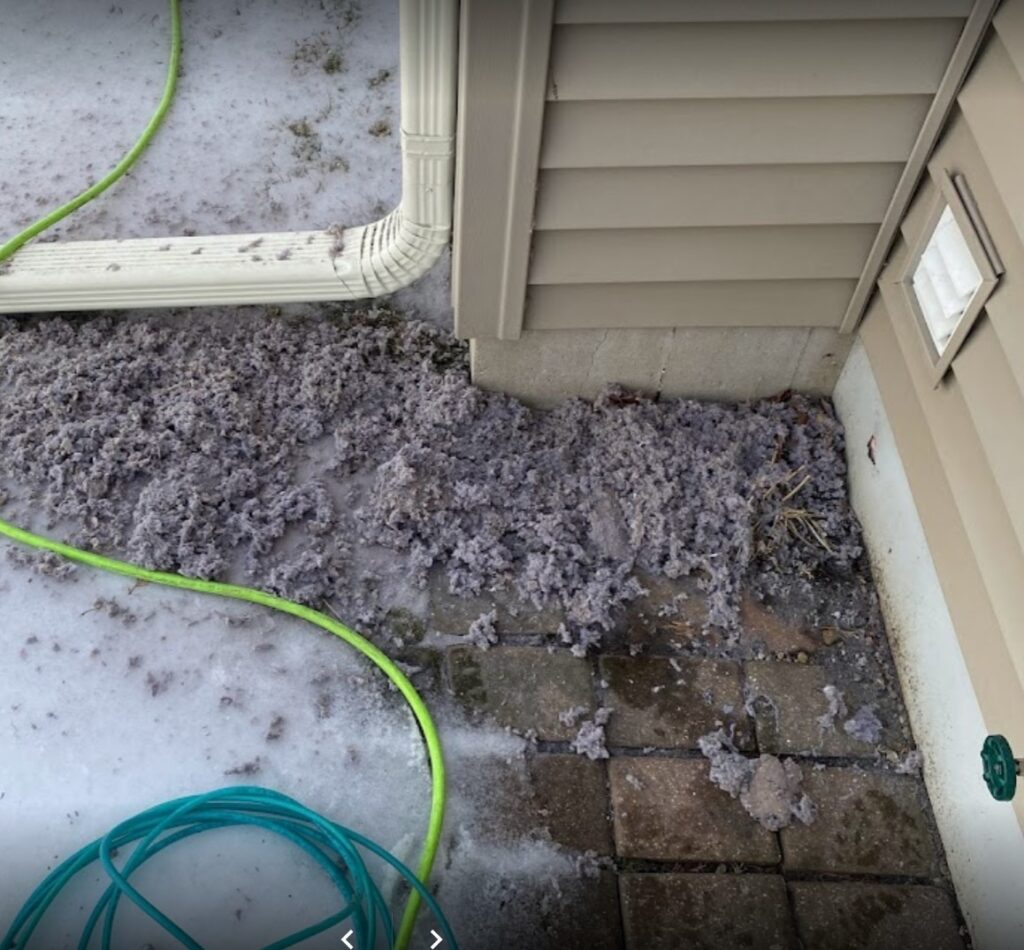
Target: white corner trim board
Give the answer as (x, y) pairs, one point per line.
(346, 264)
(983, 840)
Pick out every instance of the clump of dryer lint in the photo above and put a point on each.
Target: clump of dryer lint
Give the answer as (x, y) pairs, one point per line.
(483, 632)
(323, 454)
(865, 726)
(769, 788)
(836, 708)
(590, 739)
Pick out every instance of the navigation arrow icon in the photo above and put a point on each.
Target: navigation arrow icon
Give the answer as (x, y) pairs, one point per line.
(438, 940)
(344, 939)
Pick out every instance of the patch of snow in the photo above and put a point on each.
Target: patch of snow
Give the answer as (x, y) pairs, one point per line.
(286, 118)
(103, 719)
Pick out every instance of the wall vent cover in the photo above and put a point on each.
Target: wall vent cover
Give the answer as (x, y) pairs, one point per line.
(951, 271)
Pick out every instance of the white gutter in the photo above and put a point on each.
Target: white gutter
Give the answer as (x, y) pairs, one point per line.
(281, 267)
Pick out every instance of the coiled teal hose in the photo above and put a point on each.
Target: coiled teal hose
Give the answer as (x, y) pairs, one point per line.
(387, 666)
(333, 847)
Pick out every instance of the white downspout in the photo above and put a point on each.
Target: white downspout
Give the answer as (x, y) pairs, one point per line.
(350, 264)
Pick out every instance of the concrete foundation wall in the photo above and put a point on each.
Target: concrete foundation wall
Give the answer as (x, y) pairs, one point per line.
(983, 840)
(543, 367)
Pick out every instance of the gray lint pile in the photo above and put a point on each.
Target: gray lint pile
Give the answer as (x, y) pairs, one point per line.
(769, 788)
(298, 453)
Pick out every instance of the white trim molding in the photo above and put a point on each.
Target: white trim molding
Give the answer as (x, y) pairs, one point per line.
(281, 267)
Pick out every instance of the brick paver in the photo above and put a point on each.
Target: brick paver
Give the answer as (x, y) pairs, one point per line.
(774, 630)
(570, 800)
(453, 615)
(561, 798)
(868, 823)
(673, 702)
(847, 916)
(789, 704)
(524, 688)
(670, 617)
(659, 810)
(667, 810)
(706, 912)
(587, 917)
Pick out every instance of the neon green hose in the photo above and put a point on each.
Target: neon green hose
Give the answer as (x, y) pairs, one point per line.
(130, 158)
(380, 659)
(416, 704)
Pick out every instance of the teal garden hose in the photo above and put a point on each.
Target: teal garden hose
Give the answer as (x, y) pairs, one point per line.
(381, 660)
(333, 847)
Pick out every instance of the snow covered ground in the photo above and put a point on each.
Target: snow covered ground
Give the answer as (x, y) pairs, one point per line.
(117, 697)
(109, 712)
(286, 118)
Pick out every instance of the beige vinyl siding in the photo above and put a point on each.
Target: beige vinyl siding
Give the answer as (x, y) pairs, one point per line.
(712, 196)
(621, 255)
(982, 639)
(750, 303)
(741, 60)
(980, 499)
(695, 11)
(962, 442)
(726, 164)
(1009, 24)
(806, 131)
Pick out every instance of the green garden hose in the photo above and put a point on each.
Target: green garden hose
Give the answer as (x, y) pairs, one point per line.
(376, 656)
(270, 800)
(130, 158)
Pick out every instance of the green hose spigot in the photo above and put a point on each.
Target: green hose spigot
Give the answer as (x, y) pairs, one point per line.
(1000, 768)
